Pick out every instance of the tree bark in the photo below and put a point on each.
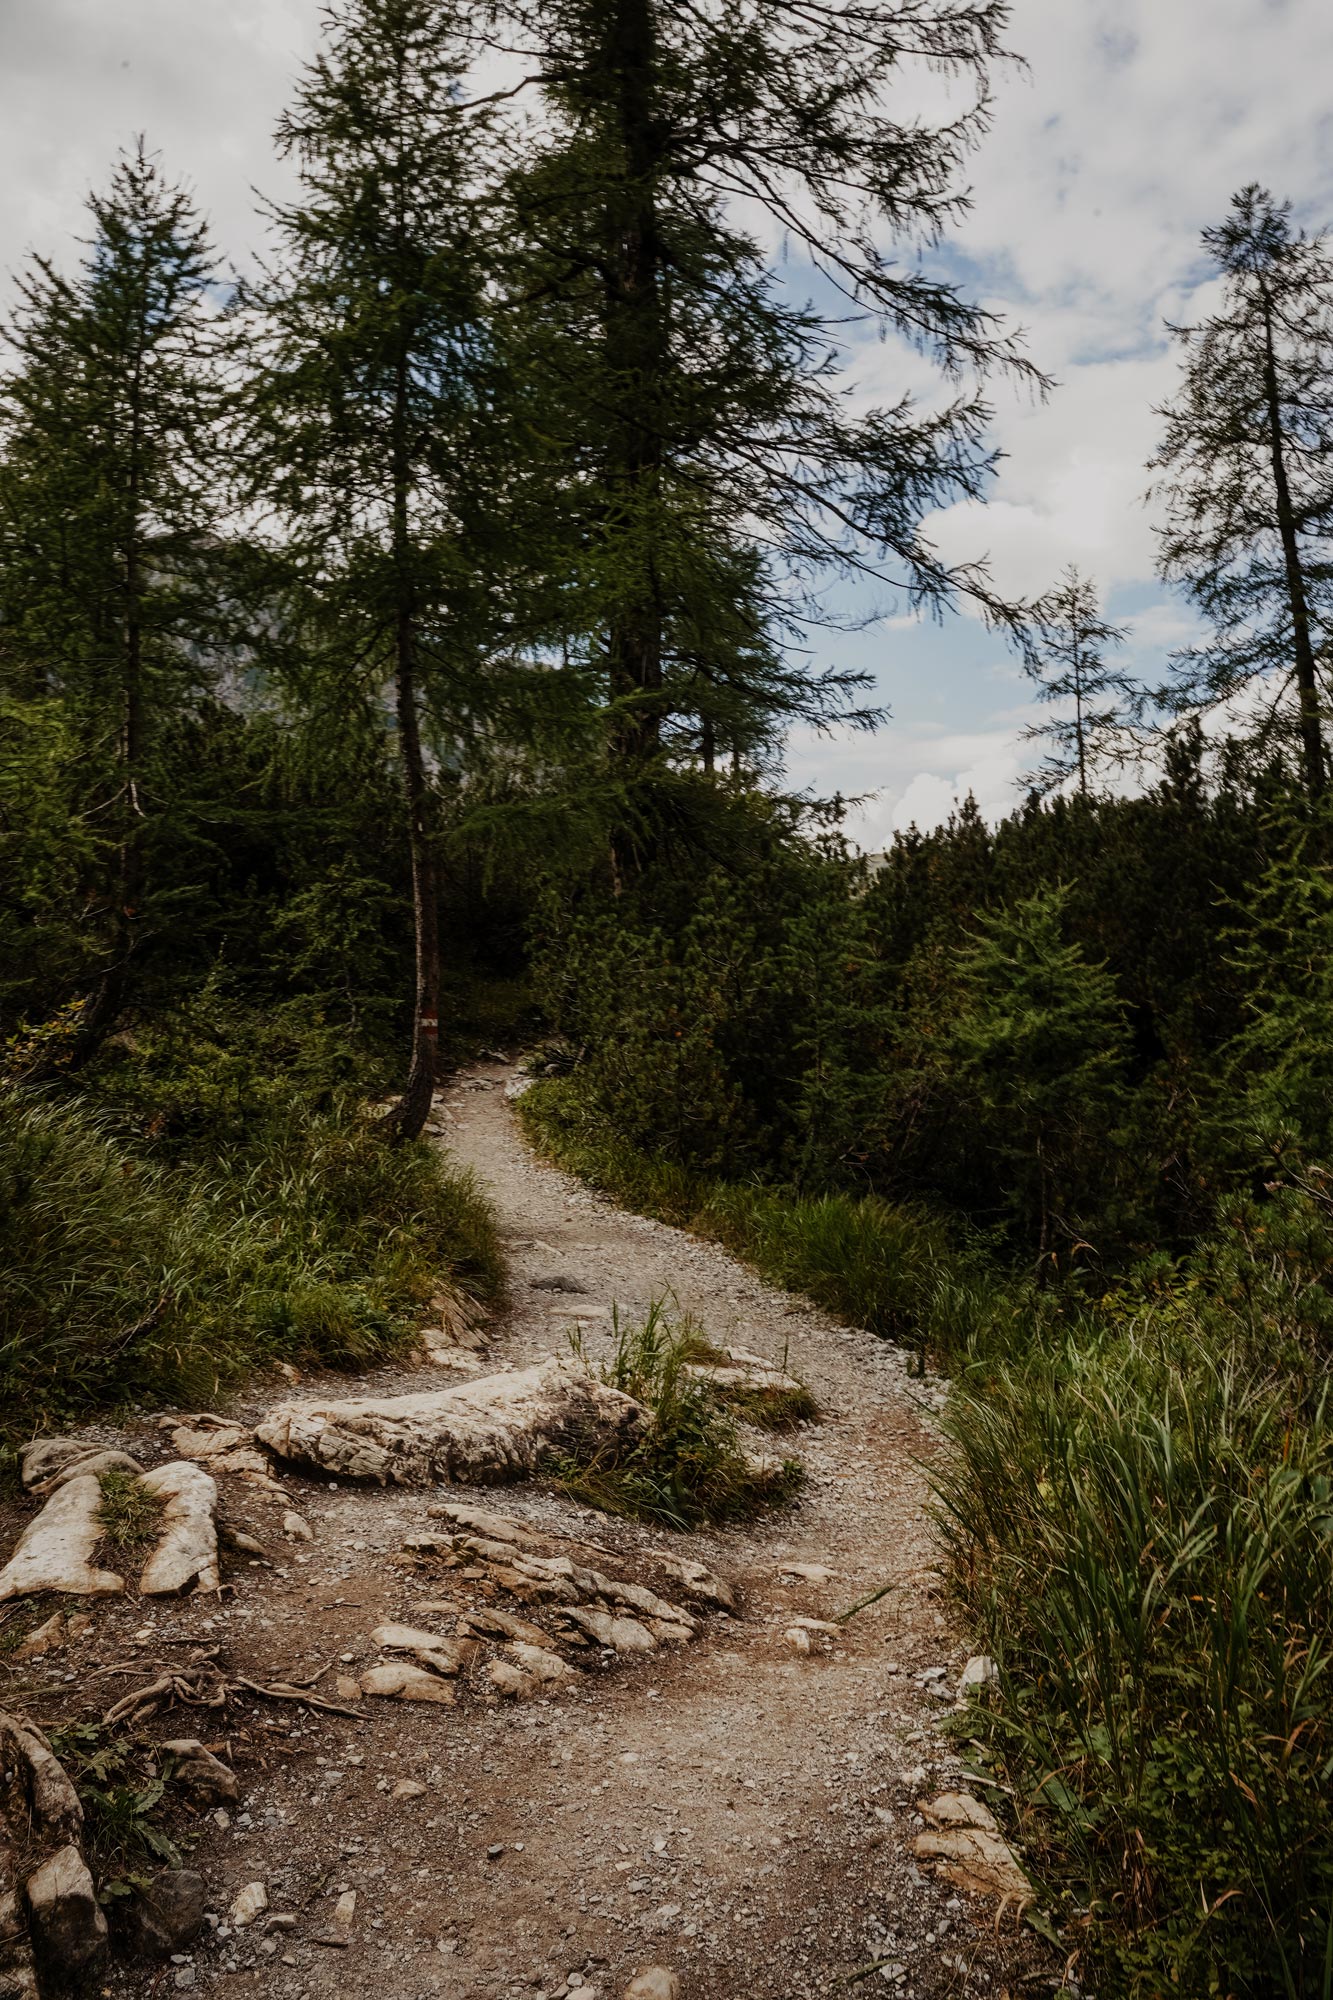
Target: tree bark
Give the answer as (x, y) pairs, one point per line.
(100, 1011)
(409, 1115)
(636, 354)
(1312, 738)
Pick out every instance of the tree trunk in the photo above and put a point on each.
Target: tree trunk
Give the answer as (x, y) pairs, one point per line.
(1312, 737)
(409, 1115)
(636, 355)
(100, 1011)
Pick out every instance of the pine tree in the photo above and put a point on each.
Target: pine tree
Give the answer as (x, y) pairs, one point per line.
(372, 430)
(716, 474)
(1070, 666)
(1247, 465)
(108, 599)
(1033, 1057)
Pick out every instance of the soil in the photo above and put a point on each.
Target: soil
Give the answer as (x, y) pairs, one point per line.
(727, 1809)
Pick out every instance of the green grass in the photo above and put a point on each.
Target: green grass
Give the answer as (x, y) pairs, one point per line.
(1141, 1520)
(873, 1263)
(130, 1516)
(691, 1467)
(123, 1276)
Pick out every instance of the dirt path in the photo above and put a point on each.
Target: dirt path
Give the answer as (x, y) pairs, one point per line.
(731, 1811)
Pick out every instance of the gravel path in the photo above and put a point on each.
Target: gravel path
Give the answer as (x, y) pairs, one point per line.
(731, 1811)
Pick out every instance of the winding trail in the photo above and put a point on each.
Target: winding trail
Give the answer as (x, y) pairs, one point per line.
(733, 1812)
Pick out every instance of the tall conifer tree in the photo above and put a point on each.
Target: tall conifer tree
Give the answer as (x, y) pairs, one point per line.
(717, 472)
(108, 598)
(1247, 478)
(1070, 666)
(372, 433)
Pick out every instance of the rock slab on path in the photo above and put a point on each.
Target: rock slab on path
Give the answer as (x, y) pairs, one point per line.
(499, 1427)
(56, 1551)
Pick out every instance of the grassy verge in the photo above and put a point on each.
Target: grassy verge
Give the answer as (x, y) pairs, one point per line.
(124, 1276)
(1138, 1515)
(691, 1467)
(877, 1264)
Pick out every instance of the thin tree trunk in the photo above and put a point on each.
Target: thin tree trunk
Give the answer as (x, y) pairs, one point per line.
(100, 1011)
(636, 353)
(1312, 738)
(409, 1115)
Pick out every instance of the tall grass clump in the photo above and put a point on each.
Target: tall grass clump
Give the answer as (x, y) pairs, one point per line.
(1142, 1521)
(691, 1466)
(127, 1276)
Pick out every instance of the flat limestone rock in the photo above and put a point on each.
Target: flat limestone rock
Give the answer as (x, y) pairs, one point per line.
(203, 1773)
(481, 1521)
(443, 1656)
(18, 1975)
(486, 1622)
(623, 1635)
(539, 1661)
(51, 1462)
(399, 1681)
(67, 1921)
(52, 1800)
(496, 1428)
(206, 1440)
(700, 1585)
(511, 1681)
(964, 1841)
(55, 1552)
(187, 1547)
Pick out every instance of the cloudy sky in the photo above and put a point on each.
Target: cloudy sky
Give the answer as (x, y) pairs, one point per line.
(1131, 127)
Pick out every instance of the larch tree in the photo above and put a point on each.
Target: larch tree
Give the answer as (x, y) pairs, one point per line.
(1246, 466)
(1070, 666)
(108, 512)
(372, 435)
(718, 472)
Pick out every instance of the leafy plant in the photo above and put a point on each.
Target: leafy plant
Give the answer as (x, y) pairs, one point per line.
(122, 1785)
(130, 1516)
(691, 1466)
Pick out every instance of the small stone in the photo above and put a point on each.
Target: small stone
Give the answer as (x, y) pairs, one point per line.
(494, 1853)
(168, 1912)
(297, 1528)
(339, 1931)
(251, 1902)
(68, 1926)
(655, 1982)
(400, 1681)
(797, 1639)
(815, 1573)
(46, 1638)
(980, 1671)
(408, 1788)
(201, 1772)
(511, 1681)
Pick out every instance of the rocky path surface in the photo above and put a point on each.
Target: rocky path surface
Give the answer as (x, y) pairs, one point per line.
(731, 1810)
